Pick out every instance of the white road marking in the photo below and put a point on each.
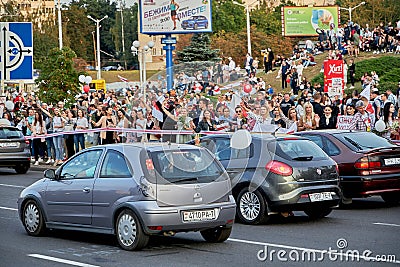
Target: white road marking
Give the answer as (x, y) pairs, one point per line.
(342, 253)
(387, 224)
(10, 185)
(75, 263)
(5, 208)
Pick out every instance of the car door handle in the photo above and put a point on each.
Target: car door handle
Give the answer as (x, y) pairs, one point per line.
(86, 190)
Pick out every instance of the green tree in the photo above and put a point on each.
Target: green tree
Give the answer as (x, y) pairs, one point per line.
(58, 78)
(227, 17)
(198, 50)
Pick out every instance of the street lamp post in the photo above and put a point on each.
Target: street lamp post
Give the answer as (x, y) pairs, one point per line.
(135, 48)
(59, 26)
(247, 24)
(350, 9)
(98, 43)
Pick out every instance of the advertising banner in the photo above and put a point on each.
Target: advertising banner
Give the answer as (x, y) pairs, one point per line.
(304, 21)
(175, 17)
(334, 77)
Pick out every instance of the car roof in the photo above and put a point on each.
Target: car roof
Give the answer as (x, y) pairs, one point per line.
(264, 136)
(151, 146)
(328, 131)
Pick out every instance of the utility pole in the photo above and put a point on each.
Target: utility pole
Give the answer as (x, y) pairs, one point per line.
(121, 9)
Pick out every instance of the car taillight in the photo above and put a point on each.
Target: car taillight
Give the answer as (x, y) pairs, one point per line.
(278, 167)
(27, 141)
(364, 164)
(337, 168)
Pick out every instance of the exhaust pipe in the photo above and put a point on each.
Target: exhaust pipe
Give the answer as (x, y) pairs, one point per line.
(169, 233)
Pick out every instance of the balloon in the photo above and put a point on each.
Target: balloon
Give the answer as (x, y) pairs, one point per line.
(86, 88)
(88, 79)
(81, 78)
(380, 126)
(9, 105)
(247, 88)
(241, 139)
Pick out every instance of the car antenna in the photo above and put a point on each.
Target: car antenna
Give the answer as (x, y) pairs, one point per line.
(274, 132)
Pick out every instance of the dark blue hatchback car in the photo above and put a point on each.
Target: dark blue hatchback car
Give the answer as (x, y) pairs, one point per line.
(195, 22)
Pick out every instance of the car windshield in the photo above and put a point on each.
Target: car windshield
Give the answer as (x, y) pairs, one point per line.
(186, 165)
(299, 150)
(358, 141)
(10, 133)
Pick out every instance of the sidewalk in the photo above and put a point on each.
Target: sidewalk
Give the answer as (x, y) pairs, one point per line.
(42, 167)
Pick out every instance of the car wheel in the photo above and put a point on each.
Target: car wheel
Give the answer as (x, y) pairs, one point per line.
(22, 169)
(318, 212)
(216, 235)
(391, 198)
(251, 207)
(206, 25)
(129, 231)
(33, 219)
(195, 26)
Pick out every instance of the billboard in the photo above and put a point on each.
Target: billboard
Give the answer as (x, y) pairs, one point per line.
(175, 17)
(334, 77)
(304, 21)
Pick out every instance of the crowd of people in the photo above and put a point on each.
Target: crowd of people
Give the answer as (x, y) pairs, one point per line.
(190, 111)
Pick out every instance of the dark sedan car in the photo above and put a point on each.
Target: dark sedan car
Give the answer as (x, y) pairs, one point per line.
(14, 149)
(368, 164)
(195, 22)
(277, 174)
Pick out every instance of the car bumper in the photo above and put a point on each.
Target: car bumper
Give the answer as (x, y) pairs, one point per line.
(171, 218)
(299, 199)
(363, 186)
(15, 160)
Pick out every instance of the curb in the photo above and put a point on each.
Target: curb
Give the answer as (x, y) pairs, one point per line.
(42, 167)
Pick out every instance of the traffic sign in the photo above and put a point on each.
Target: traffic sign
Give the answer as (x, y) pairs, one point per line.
(16, 51)
(170, 40)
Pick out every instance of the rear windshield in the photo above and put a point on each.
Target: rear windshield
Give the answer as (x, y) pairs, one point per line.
(299, 150)
(186, 165)
(10, 133)
(358, 141)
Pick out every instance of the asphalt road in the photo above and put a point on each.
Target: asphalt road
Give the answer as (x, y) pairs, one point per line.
(368, 227)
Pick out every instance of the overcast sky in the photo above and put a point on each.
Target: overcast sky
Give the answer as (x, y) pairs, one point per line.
(127, 2)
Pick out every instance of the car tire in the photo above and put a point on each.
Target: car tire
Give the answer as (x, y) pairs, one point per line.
(195, 26)
(32, 219)
(129, 232)
(206, 26)
(22, 169)
(251, 207)
(318, 212)
(392, 198)
(217, 234)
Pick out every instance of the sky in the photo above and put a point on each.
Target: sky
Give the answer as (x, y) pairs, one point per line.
(127, 2)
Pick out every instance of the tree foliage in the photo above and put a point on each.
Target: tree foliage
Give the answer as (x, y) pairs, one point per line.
(227, 16)
(58, 78)
(198, 50)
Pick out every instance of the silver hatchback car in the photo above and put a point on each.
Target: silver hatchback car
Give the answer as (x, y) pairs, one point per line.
(133, 191)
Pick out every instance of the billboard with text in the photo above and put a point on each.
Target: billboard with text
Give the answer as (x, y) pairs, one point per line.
(304, 21)
(175, 17)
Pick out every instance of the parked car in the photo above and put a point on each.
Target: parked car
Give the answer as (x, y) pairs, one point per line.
(195, 22)
(133, 191)
(368, 164)
(14, 149)
(277, 174)
(108, 68)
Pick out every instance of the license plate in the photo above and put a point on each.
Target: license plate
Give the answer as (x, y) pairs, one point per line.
(199, 215)
(392, 161)
(11, 144)
(314, 197)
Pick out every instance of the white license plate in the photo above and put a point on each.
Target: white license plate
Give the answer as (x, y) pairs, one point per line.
(200, 215)
(393, 161)
(11, 144)
(314, 197)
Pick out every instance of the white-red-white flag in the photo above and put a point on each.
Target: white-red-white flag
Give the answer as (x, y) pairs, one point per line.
(123, 79)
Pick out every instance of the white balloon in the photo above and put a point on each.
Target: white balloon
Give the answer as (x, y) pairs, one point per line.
(88, 79)
(81, 78)
(380, 126)
(241, 139)
(9, 105)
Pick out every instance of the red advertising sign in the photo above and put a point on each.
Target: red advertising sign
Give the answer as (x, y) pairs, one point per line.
(334, 77)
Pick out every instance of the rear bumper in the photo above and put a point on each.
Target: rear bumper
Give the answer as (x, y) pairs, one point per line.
(299, 198)
(170, 218)
(17, 159)
(363, 186)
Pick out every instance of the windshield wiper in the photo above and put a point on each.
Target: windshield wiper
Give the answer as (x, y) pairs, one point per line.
(354, 143)
(303, 158)
(180, 180)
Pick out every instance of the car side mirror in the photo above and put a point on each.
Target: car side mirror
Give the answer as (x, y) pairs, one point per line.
(49, 173)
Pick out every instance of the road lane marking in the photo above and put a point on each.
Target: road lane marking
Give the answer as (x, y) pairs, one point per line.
(75, 263)
(5, 208)
(10, 185)
(387, 224)
(321, 251)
